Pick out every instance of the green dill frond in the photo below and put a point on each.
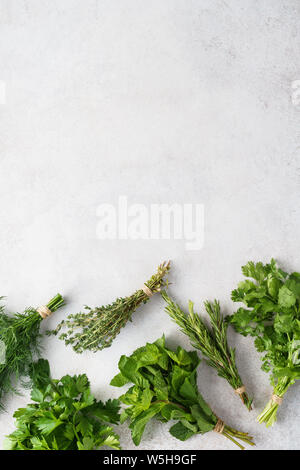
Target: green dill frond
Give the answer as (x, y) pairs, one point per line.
(20, 337)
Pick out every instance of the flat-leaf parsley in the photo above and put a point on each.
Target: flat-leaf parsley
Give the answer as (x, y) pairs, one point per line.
(64, 416)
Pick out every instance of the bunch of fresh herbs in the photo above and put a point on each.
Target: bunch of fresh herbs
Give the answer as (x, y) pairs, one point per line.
(211, 341)
(96, 328)
(165, 388)
(20, 338)
(272, 316)
(64, 416)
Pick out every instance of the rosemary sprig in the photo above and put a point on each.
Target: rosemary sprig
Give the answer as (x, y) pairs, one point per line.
(98, 327)
(212, 342)
(20, 335)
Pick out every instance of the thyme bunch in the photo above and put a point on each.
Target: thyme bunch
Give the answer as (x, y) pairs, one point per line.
(20, 336)
(212, 342)
(96, 328)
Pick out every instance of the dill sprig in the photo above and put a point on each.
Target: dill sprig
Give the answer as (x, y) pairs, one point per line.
(20, 336)
(212, 342)
(96, 328)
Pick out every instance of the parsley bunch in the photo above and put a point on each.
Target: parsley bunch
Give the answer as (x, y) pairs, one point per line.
(98, 327)
(212, 342)
(165, 388)
(65, 416)
(272, 316)
(20, 337)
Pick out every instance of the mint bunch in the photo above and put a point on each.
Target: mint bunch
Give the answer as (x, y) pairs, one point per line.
(64, 415)
(165, 388)
(272, 316)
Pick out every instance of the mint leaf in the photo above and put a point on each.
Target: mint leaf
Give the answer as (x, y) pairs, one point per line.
(138, 425)
(179, 431)
(119, 380)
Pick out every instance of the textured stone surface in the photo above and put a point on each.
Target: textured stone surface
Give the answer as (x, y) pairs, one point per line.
(163, 102)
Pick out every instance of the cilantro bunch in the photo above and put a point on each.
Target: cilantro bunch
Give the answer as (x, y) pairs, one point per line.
(165, 388)
(65, 415)
(211, 341)
(272, 316)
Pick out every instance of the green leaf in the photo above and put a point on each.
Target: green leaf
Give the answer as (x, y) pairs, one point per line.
(257, 271)
(291, 372)
(242, 317)
(205, 424)
(108, 412)
(87, 397)
(138, 425)
(82, 383)
(48, 424)
(273, 285)
(37, 395)
(286, 298)
(172, 411)
(38, 444)
(178, 376)
(179, 431)
(119, 380)
(84, 426)
(284, 323)
(112, 441)
(129, 367)
(189, 391)
(9, 444)
(86, 444)
(293, 284)
(69, 431)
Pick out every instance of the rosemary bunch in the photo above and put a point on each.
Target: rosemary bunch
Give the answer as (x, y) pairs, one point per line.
(20, 337)
(96, 328)
(212, 342)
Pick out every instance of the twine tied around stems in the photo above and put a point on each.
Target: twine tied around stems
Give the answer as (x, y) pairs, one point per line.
(276, 399)
(240, 390)
(44, 311)
(219, 427)
(147, 290)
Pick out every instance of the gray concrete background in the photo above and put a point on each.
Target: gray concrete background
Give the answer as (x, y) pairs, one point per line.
(161, 101)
